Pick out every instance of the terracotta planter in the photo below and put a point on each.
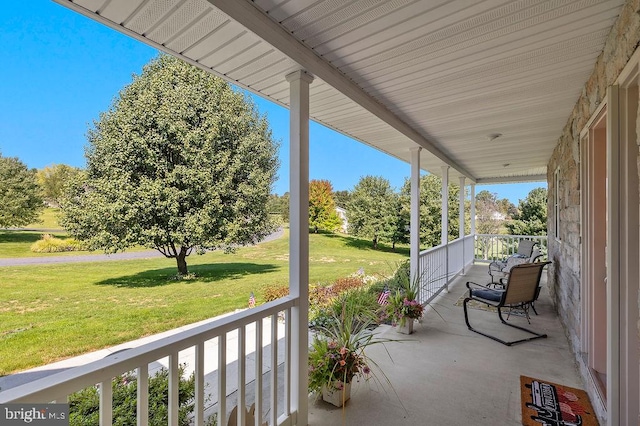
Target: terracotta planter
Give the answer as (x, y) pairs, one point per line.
(336, 397)
(407, 328)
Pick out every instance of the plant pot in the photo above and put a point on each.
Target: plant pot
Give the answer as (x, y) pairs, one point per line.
(335, 396)
(407, 328)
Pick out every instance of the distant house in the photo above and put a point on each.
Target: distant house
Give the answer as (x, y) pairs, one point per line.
(342, 213)
(494, 215)
(498, 216)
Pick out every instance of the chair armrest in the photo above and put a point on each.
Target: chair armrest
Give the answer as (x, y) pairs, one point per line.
(484, 294)
(481, 286)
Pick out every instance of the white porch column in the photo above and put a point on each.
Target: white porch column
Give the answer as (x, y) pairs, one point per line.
(299, 240)
(445, 205)
(473, 209)
(461, 215)
(444, 223)
(461, 222)
(414, 233)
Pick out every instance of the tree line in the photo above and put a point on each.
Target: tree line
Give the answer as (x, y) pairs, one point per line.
(182, 163)
(376, 211)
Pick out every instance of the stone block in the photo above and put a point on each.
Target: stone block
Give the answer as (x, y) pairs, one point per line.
(564, 274)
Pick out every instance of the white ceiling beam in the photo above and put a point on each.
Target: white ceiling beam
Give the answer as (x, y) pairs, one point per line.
(512, 179)
(256, 21)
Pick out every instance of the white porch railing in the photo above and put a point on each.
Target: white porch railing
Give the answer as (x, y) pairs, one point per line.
(441, 264)
(490, 247)
(263, 361)
(248, 377)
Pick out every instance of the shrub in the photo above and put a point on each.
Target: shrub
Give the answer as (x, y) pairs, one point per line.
(361, 303)
(274, 292)
(348, 283)
(398, 281)
(50, 244)
(321, 295)
(354, 289)
(84, 405)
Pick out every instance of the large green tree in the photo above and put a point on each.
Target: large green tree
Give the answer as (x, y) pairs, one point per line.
(400, 220)
(53, 180)
(20, 196)
(507, 208)
(531, 218)
(371, 210)
(179, 163)
(489, 218)
(431, 209)
(342, 198)
(489, 214)
(279, 205)
(322, 207)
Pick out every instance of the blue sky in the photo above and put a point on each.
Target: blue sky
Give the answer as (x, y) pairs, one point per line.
(61, 70)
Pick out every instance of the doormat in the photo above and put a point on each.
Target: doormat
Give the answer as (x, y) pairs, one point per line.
(552, 404)
(474, 304)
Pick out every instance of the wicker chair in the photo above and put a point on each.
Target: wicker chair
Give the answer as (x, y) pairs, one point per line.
(522, 289)
(526, 254)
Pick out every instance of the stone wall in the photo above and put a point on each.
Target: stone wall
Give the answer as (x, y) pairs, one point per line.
(564, 249)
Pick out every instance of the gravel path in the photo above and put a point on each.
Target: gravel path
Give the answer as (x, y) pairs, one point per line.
(16, 261)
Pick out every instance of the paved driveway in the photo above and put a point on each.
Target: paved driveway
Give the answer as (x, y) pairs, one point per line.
(16, 261)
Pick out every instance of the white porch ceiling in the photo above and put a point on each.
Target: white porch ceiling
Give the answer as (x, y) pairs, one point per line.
(397, 74)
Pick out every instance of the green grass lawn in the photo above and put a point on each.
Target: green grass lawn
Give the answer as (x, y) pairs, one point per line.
(51, 312)
(48, 220)
(18, 243)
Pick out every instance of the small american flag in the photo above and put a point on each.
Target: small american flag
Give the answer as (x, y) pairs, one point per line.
(382, 300)
(252, 300)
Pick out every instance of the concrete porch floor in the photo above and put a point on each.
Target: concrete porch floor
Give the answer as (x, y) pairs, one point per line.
(445, 374)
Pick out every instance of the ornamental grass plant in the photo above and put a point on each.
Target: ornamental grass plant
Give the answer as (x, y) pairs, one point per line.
(401, 307)
(403, 303)
(337, 355)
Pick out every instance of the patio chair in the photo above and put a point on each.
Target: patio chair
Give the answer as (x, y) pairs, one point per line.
(525, 254)
(521, 290)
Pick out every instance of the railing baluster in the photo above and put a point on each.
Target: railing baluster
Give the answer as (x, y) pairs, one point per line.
(500, 246)
(222, 379)
(105, 370)
(199, 385)
(106, 403)
(274, 369)
(438, 269)
(143, 396)
(242, 375)
(287, 362)
(174, 387)
(258, 382)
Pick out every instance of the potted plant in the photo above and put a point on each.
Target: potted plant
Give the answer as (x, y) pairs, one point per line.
(337, 354)
(403, 307)
(403, 311)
